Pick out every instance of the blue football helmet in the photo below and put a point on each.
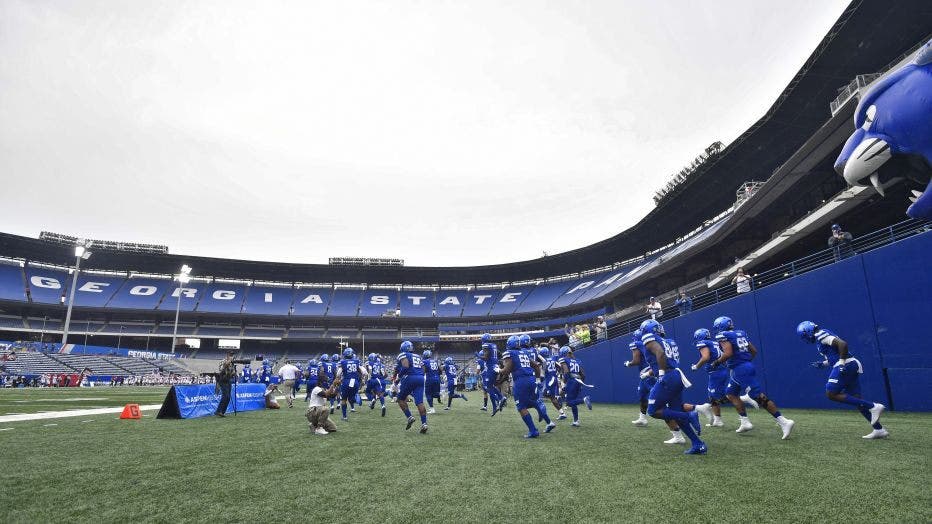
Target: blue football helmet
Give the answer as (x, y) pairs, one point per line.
(723, 324)
(348, 353)
(702, 334)
(806, 330)
(544, 352)
(525, 340)
(565, 350)
(371, 357)
(652, 326)
(426, 353)
(512, 342)
(407, 346)
(312, 363)
(325, 358)
(486, 338)
(448, 360)
(334, 357)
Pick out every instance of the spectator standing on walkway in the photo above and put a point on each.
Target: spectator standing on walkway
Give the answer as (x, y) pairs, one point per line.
(741, 281)
(654, 309)
(601, 328)
(684, 303)
(840, 242)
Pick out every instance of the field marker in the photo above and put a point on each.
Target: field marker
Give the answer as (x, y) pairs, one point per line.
(89, 420)
(47, 425)
(6, 429)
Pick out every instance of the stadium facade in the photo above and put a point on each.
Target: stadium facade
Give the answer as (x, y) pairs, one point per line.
(694, 236)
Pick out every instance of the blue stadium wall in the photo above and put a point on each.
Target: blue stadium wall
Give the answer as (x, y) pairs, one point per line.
(879, 302)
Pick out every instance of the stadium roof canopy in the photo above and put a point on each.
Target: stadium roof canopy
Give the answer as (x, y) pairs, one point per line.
(867, 37)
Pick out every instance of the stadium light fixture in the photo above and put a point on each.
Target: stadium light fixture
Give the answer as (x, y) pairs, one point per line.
(81, 252)
(183, 277)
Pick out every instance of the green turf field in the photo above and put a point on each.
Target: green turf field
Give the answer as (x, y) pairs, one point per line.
(469, 467)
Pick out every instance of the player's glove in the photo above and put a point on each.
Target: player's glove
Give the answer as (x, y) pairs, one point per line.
(627, 363)
(819, 364)
(645, 373)
(693, 367)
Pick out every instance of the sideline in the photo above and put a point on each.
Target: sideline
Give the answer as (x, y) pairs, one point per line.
(70, 413)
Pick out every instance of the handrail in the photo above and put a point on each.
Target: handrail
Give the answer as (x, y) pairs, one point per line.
(822, 258)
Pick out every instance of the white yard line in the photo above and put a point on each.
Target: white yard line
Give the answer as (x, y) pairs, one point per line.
(71, 413)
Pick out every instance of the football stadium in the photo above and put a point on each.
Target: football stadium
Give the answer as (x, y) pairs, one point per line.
(752, 348)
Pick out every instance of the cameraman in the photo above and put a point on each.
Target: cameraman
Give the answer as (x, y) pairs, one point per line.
(225, 379)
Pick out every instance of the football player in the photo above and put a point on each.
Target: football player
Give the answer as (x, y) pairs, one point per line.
(375, 388)
(647, 375)
(666, 397)
(409, 373)
(522, 368)
(718, 377)
(573, 378)
(451, 371)
(328, 369)
(489, 374)
(844, 383)
(349, 373)
(431, 380)
(737, 353)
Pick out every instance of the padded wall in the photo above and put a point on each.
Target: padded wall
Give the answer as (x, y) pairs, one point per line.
(880, 303)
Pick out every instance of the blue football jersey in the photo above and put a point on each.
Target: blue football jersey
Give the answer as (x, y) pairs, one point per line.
(480, 366)
(714, 352)
(431, 368)
(312, 372)
(572, 365)
(329, 369)
(824, 339)
(637, 345)
(450, 370)
(491, 363)
(741, 351)
(415, 365)
(350, 368)
(520, 363)
(670, 350)
(377, 369)
(550, 367)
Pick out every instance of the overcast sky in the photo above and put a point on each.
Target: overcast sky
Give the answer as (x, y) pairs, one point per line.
(444, 133)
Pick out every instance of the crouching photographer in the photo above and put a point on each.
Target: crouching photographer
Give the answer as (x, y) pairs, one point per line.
(318, 408)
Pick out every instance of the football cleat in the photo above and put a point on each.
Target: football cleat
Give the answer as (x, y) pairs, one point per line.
(423, 428)
(749, 401)
(676, 439)
(640, 422)
(483, 408)
(876, 411)
(716, 423)
(532, 435)
(562, 416)
(345, 419)
(877, 433)
(575, 424)
(446, 408)
(588, 402)
(696, 450)
(550, 427)
(431, 411)
(705, 410)
(410, 422)
(320, 431)
(383, 411)
(745, 426)
(787, 428)
(372, 404)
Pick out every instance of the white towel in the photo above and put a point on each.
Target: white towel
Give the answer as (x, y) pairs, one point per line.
(686, 383)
